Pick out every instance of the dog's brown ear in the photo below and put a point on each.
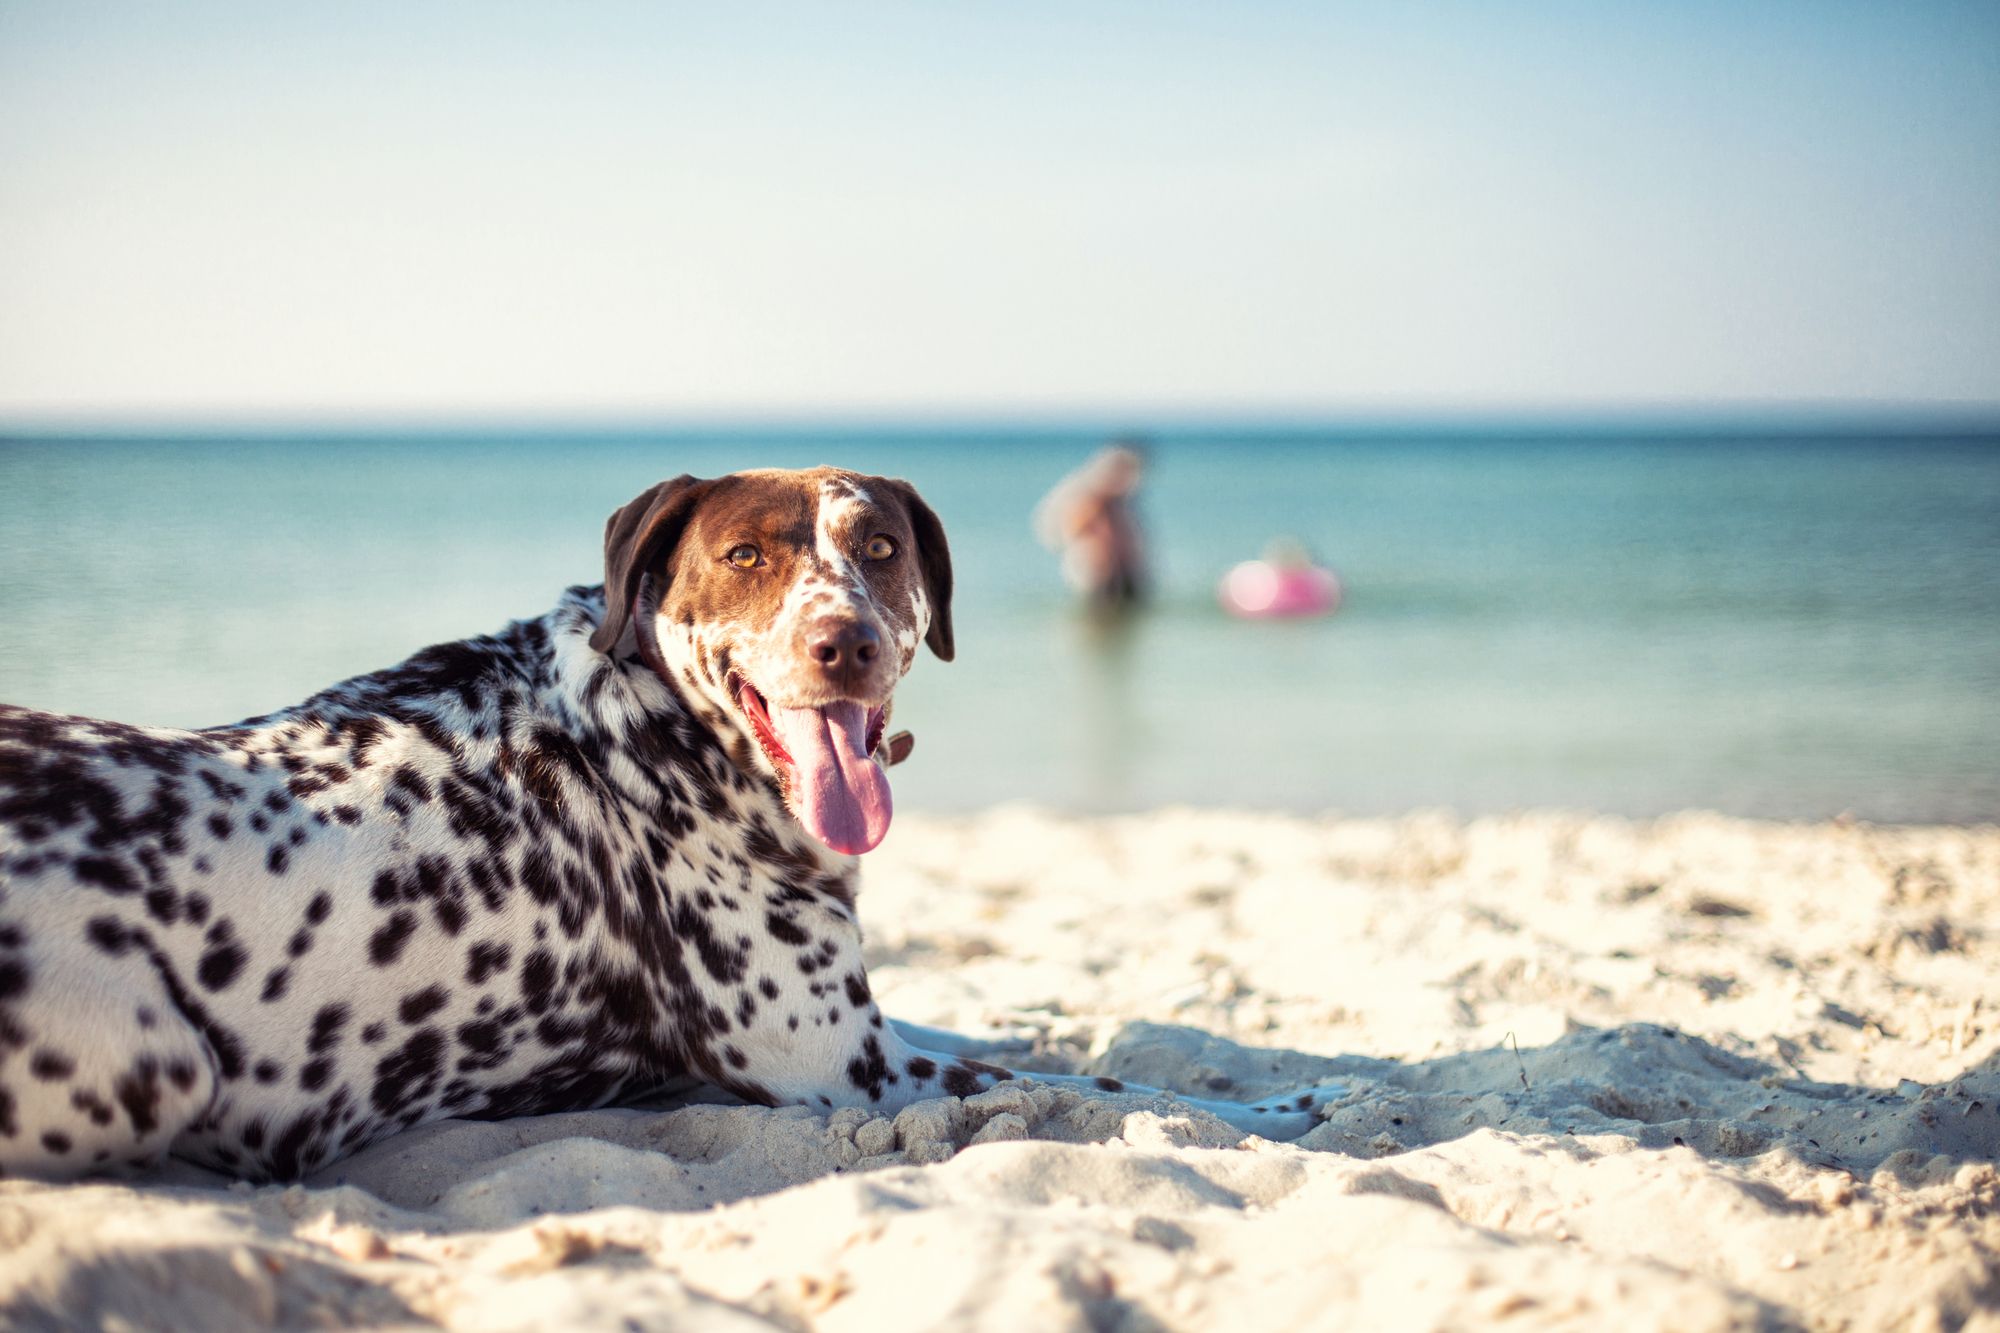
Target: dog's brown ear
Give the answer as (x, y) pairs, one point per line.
(635, 538)
(934, 560)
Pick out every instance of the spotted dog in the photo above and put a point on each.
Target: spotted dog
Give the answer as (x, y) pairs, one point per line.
(602, 851)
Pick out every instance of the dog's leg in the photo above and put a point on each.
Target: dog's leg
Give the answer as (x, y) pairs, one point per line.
(884, 1072)
(1284, 1117)
(99, 1068)
(817, 1038)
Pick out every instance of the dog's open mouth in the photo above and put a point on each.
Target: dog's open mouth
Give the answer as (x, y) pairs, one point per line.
(824, 754)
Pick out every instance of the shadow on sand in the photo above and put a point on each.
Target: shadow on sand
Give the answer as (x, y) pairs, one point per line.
(1653, 1085)
(1657, 1086)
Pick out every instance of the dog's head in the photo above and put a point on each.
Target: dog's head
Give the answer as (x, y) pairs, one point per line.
(785, 607)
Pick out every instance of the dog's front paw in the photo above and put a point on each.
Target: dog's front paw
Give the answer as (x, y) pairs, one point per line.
(1291, 1115)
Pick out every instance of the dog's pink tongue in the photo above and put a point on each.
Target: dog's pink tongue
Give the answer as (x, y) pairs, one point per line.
(842, 795)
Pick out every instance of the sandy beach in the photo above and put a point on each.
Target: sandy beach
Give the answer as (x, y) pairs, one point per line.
(1690, 1073)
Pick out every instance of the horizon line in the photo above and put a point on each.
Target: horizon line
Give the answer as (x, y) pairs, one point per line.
(1754, 417)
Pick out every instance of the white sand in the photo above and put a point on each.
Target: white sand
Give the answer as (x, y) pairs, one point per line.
(1757, 1084)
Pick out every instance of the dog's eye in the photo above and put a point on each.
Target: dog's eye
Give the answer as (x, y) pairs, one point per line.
(880, 547)
(745, 556)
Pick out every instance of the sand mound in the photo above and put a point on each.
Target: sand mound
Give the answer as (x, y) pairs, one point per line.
(1693, 1073)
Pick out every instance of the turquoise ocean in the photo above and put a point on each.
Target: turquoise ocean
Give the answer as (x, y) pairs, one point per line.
(1792, 623)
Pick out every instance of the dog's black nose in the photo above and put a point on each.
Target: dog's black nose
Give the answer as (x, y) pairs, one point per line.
(843, 646)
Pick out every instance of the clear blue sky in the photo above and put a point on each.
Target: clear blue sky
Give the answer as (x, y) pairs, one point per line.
(362, 209)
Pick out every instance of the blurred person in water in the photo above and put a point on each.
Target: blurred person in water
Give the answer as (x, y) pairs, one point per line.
(1089, 516)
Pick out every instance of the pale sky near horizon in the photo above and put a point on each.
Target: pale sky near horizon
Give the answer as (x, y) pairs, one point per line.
(235, 210)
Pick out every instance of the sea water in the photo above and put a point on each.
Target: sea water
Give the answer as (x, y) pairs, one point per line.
(1787, 624)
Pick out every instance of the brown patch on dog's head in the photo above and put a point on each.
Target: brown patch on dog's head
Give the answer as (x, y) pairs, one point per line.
(932, 557)
(809, 532)
(781, 600)
(636, 537)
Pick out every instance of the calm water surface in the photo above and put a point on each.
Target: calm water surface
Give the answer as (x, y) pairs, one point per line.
(1785, 627)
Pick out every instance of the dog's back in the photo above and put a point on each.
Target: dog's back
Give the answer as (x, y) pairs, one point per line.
(270, 943)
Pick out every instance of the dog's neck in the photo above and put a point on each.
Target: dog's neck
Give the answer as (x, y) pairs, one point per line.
(641, 698)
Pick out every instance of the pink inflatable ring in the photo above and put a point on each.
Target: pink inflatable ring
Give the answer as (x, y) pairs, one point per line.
(1259, 590)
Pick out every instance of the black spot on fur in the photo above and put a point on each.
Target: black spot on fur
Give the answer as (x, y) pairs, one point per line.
(92, 1105)
(485, 958)
(221, 963)
(408, 1073)
(420, 1005)
(960, 1081)
(783, 931)
(105, 873)
(138, 1091)
(406, 778)
(385, 946)
(292, 1154)
(450, 915)
(51, 1066)
(326, 1028)
(481, 1038)
(538, 978)
(869, 1071)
